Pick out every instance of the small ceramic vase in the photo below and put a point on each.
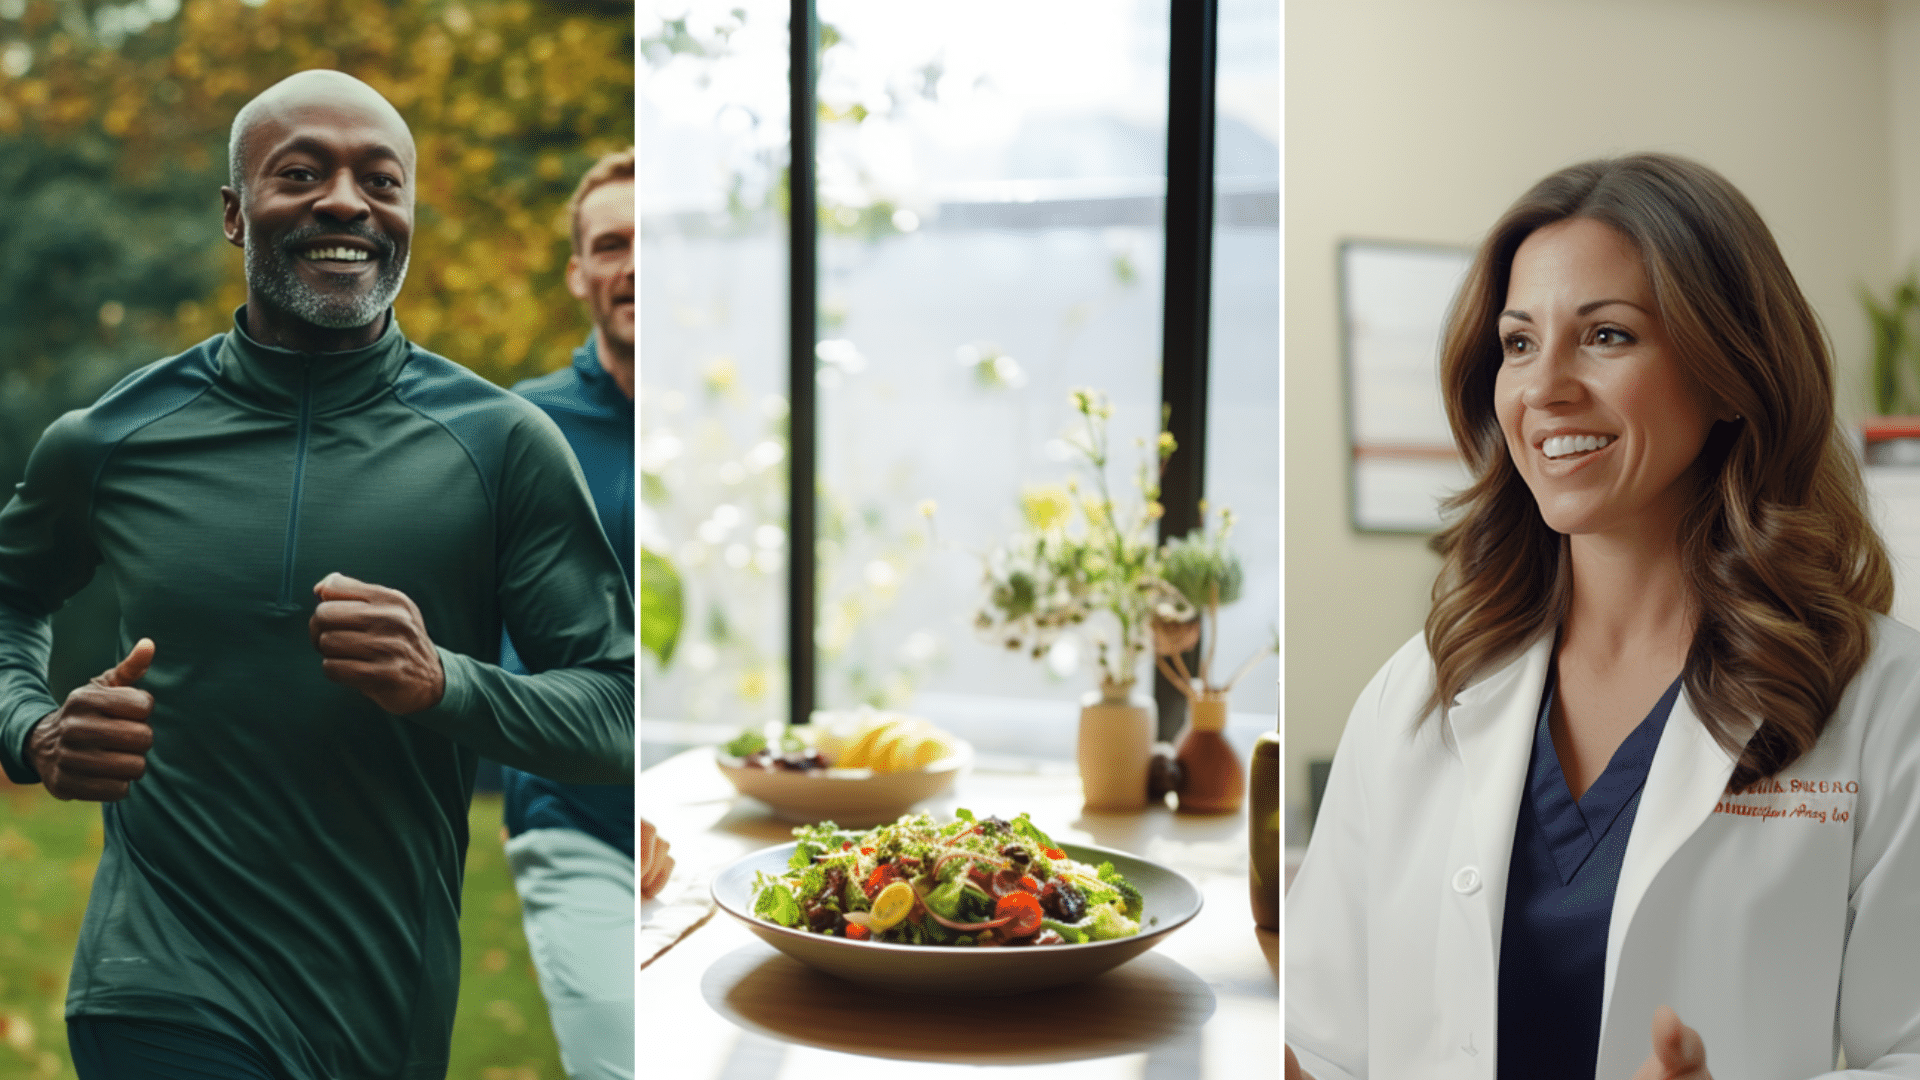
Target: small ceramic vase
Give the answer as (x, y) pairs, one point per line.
(1116, 745)
(1213, 782)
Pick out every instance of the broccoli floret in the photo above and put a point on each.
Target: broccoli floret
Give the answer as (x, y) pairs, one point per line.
(1075, 933)
(1096, 891)
(1111, 877)
(774, 902)
(1105, 923)
(812, 880)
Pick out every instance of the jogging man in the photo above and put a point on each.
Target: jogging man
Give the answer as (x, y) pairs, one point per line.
(571, 845)
(317, 531)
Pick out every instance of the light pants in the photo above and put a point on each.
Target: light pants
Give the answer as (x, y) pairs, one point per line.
(576, 900)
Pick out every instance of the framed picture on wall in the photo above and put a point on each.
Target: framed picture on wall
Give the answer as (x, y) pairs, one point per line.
(1393, 305)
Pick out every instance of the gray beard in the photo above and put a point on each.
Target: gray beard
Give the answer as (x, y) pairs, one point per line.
(270, 270)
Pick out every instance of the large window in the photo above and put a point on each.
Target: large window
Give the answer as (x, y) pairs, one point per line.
(990, 207)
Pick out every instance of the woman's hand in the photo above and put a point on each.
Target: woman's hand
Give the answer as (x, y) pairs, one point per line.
(1294, 1072)
(655, 863)
(1678, 1053)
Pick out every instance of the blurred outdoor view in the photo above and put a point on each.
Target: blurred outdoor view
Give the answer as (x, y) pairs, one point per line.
(991, 181)
(113, 129)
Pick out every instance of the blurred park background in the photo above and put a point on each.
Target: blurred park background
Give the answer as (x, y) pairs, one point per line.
(113, 129)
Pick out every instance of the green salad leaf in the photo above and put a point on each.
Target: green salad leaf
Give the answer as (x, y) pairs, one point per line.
(774, 902)
(745, 743)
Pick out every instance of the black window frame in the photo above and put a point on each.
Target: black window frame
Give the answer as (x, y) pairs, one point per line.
(1186, 309)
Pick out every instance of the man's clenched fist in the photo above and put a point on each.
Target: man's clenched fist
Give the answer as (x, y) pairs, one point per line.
(373, 639)
(95, 745)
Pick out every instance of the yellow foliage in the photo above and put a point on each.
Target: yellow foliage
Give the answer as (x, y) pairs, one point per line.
(503, 134)
(15, 847)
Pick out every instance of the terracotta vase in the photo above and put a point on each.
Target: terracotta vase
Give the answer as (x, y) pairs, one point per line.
(1116, 745)
(1213, 782)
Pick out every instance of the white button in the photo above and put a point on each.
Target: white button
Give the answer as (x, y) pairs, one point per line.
(1467, 881)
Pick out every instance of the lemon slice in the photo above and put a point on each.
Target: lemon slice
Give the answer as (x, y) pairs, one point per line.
(891, 906)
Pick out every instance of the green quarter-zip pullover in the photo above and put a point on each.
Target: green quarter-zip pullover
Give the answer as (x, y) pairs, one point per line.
(288, 871)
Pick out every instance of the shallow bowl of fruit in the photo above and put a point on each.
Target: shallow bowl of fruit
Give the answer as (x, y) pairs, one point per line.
(1169, 901)
(857, 770)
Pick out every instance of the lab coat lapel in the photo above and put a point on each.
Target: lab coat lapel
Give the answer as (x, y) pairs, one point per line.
(1492, 723)
(1686, 778)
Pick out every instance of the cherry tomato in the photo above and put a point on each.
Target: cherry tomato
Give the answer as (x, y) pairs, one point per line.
(1055, 853)
(1024, 909)
(877, 880)
(856, 932)
(1027, 883)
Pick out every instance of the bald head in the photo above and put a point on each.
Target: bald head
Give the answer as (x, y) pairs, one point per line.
(321, 203)
(306, 90)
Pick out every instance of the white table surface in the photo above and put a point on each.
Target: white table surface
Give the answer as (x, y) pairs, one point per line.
(715, 1001)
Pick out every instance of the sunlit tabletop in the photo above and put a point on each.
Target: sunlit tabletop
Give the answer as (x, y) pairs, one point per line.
(716, 1001)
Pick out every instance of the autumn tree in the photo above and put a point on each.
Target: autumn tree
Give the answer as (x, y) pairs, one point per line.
(113, 132)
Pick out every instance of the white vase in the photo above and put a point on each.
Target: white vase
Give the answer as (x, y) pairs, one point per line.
(1116, 746)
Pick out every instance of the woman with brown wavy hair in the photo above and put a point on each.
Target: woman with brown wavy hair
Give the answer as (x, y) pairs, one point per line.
(1658, 751)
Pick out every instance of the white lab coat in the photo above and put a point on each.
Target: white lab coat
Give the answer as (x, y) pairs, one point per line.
(1781, 926)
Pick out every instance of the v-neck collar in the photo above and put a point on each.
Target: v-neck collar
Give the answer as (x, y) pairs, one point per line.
(1573, 828)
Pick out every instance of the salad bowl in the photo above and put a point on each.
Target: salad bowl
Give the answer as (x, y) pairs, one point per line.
(855, 798)
(1170, 901)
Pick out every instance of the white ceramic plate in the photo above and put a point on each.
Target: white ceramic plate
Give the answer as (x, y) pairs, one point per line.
(1169, 900)
(851, 798)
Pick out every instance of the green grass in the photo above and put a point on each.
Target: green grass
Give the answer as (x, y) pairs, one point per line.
(48, 852)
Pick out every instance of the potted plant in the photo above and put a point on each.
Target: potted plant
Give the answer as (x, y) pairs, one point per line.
(1208, 574)
(1892, 437)
(1082, 556)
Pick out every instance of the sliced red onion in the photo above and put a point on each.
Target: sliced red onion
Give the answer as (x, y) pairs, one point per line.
(974, 855)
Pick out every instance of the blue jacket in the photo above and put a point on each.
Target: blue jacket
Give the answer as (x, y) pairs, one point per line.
(597, 420)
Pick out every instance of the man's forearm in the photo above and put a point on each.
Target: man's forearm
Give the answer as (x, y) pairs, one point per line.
(26, 643)
(574, 725)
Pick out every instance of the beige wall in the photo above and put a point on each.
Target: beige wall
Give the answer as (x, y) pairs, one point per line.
(1415, 120)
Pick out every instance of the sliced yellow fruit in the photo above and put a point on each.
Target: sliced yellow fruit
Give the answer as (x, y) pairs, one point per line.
(861, 754)
(931, 749)
(910, 754)
(891, 906)
(887, 749)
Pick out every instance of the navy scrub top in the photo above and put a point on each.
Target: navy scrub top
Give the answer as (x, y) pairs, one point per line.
(1553, 937)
